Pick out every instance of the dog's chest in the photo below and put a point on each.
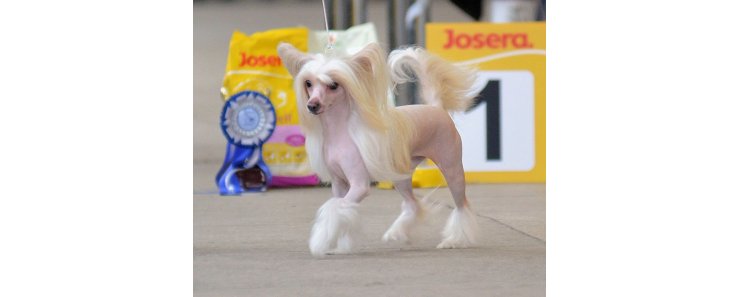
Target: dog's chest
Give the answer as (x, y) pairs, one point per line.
(341, 155)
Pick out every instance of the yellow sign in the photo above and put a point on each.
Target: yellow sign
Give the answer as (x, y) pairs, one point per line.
(253, 64)
(504, 132)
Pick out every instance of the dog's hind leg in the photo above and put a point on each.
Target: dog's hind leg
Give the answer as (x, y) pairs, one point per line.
(462, 227)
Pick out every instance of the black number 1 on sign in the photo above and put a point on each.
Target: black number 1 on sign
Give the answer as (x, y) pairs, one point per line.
(491, 95)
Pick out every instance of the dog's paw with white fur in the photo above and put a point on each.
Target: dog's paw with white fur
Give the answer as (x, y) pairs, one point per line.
(404, 227)
(461, 229)
(335, 228)
(401, 227)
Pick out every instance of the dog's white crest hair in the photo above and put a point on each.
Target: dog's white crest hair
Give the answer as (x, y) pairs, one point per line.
(443, 84)
(381, 133)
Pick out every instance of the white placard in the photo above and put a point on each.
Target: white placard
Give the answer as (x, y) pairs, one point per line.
(517, 151)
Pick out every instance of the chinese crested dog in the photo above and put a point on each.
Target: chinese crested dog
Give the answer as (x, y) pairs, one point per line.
(355, 136)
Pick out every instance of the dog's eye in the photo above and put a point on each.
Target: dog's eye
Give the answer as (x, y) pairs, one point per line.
(308, 84)
(333, 86)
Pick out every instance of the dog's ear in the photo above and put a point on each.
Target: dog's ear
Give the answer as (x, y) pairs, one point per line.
(370, 57)
(293, 59)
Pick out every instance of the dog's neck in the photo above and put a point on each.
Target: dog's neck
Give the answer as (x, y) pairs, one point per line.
(335, 120)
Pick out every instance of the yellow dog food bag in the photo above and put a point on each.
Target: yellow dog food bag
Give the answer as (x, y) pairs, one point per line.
(254, 65)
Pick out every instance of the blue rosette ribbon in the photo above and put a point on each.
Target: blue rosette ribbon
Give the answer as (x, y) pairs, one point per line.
(247, 120)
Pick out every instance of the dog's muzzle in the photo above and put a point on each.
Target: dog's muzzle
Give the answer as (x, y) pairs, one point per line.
(314, 108)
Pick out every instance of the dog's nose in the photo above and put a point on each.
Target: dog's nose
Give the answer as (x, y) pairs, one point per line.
(313, 108)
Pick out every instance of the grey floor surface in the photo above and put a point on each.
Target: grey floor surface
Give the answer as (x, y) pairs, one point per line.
(256, 245)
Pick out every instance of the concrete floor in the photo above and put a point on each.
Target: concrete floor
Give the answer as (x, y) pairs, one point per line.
(256, 245)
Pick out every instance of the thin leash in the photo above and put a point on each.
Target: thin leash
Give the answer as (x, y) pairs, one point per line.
(329, 39)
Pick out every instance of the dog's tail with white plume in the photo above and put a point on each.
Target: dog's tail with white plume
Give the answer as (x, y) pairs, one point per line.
(443, 84)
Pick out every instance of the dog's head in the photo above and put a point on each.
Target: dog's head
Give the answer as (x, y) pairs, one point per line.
(322, 82)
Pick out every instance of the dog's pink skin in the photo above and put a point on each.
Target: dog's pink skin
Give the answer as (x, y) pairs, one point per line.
(429, 130)
(436, 138)
(350, 178)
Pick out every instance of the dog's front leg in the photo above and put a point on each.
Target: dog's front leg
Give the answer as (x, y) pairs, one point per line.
(335, 221)
(337, 227)
(358, 190)
(337, 224)
(339, 187)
